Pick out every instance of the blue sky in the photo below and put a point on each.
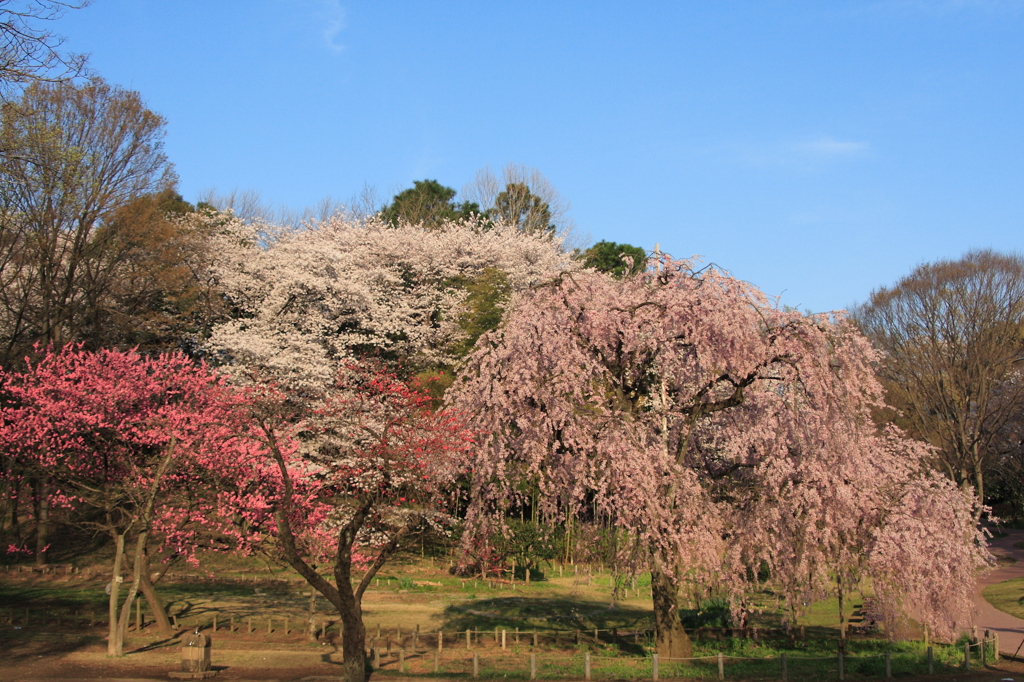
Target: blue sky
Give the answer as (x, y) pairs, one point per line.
(816, 149)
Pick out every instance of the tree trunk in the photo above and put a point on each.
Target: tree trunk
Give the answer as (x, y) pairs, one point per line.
(163, 623)
(42, 520)
(115, 588)
(672, 640)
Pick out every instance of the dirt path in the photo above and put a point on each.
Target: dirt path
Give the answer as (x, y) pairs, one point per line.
(1010, 629)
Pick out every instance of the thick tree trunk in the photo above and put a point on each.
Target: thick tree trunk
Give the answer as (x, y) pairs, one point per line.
(672, 640)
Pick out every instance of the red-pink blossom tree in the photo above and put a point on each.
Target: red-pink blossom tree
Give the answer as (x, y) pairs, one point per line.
(129, 439)
(366, 469)
(722, 433)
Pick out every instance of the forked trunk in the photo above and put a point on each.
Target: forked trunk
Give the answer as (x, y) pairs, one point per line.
(671, 639)
(163, 623)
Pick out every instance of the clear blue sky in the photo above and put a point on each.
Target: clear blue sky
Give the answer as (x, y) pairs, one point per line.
(816, 149)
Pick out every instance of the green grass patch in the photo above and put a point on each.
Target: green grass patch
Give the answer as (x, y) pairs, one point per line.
(1007, 596)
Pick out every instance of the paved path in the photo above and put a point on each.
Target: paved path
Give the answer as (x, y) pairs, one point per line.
(1010, 629)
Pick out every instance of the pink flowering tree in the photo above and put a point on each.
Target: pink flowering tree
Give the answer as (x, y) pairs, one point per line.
(355, 475)
(124, 439)
(720, 433)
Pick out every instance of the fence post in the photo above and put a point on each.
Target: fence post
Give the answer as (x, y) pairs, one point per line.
(533, 666)
(721, 666)
(401, 661)
(468, 639)
(586, 665)
(984, 654)
(995, 647)
(841, 675)
(249, 632)
(931, 664)
(214, 628)
(654, 667)
(967, 655)
(785, 672)
(437, 661)
(270, 625)
(502, 639)
(376, 657)
(440, 642)
(476, 665)
(888, 665)
(535, 638)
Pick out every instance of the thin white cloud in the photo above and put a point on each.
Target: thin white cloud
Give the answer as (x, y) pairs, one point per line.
(807, 154)
(830, 147)
(332, 17)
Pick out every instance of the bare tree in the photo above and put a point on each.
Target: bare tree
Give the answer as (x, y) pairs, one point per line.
(953, 334)
(31, 53)
(522, 196)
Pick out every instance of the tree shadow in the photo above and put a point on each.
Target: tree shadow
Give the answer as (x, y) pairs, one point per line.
(20, 645)
(554, 614)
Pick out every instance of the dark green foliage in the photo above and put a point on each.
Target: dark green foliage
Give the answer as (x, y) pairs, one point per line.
(712, 614)
(519, 206)
(607, 257)
(527, 544)
(427, 203)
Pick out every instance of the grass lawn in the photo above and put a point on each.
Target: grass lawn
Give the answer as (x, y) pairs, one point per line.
(1007, 596)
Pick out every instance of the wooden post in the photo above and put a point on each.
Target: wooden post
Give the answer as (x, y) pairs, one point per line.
(503, 639)
(476, 665)
(138, 615)
(249, 631)
(586, 665)
(437, 661)
(596, 636)
(984, 645)
(231, 625)
(721, 666)
(888, 665)
(533, 666)
(376, 658)
(967, 655)
(270, 625)
(286, 625)
(995, 647)
(931, 663)
(174, 620)
(214, 628)
(401, 661)
(535, 638)
(785, 672)
(841, 675)
(654, 667)
(440, 642)
(469, 636)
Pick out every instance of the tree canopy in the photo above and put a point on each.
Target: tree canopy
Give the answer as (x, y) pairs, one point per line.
(952, 334)
(427, 203)
(721, 433)
(608, 257)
